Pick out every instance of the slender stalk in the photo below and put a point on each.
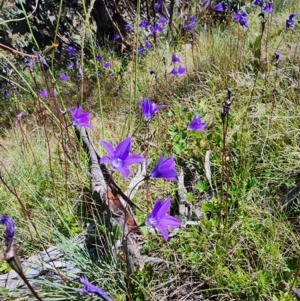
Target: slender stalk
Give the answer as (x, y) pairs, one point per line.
(14, 263)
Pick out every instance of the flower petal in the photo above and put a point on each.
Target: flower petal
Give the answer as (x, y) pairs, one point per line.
(170, 222)
(156, 207)
(134, 159)
(164, 232)
(124, 171)
(123, 149)
(108, 147)
(169, 175)
(164, 208)
(105, 159)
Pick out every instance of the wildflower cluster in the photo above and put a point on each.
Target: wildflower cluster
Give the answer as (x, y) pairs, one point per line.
(178, 69)
(119, 158)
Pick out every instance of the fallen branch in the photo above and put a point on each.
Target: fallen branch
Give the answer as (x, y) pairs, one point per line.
(106, 192)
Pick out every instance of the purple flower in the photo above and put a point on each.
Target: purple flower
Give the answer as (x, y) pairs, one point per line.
(276, 57)
(70, 50)
(29, 63)
(70, 65)
(9, 232)
(98, 58)
(297, 294)
(43, 62)
(160, 220)
(164, 169)
(205, 3)
(90, 288)
(162, 20)
(290, 22)
(149, 108)
(6, 93)
(241, 17)
(156, 28)
(44, 93)
(181, 70)
(127, 27)
(106, 64)
(144, 23)
(63, 77)
(178, 72)
(80, 118)
(141, 50)
(157, 5)
(119, 158)
(219, 7)
(5, 69)
(117, 37)
(19, 116)
(196, 124)
(257, 2)
(175, 59)
(191, 24)
(148, 46)
(268, 8)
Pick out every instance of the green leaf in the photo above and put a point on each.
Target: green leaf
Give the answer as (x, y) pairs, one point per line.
(202, 186)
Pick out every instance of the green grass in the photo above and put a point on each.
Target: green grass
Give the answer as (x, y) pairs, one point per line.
(245, 247)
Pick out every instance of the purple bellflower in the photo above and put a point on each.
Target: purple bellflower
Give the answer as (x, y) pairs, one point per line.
(144, 23)
(219, 8)
(128, 27)
(205, 3)
(267, 8)
(9, 232)
(63, 77)
(164, 169)
(157, 28)
(257, 2)
(160, 220)
(148, 46)
(179, 71)
(5, 69)
(44, 93)
(106, 64)
(19, 116)
(191, 24)
(98, 58)
(241, 17)
(6, 93)
(29, 63)
(90, 288)
(196, 124)
(297, 294)
(119, 158)
(158, 5)
(43, 62)
(290, 22)
(117, 37)
(141, 50)
(162, 20)
(70, 65)
(149, 108)
(80, 118)
(70, 50)
(175, 59)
